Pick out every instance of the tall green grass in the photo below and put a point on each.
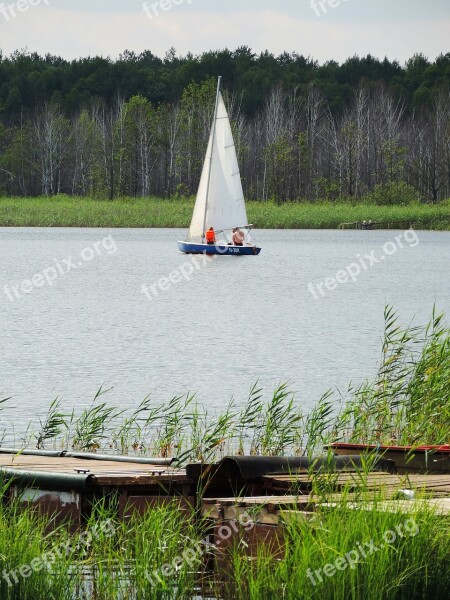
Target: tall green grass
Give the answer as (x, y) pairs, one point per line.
(162, 555)
(128, 559)
(326, 215)
(406, 404)
(107, 560)
(65, 211)
(410, 567)
(24, 537)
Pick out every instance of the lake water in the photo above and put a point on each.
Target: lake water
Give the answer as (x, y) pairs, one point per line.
(73, 314)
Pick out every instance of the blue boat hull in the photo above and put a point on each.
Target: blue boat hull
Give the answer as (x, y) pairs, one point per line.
(224, 250)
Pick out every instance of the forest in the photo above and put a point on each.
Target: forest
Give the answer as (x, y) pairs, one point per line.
(363, 130)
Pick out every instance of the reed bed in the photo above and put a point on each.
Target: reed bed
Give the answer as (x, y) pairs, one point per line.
(66, 211)
(316, 562)
(406, 404)
(381, 555)
(108, 560)
(341, 553)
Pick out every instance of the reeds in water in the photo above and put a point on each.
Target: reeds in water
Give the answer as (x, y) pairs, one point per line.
(365, 554)
(406, 404)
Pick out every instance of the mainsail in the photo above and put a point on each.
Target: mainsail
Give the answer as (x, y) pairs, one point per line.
(220, 199)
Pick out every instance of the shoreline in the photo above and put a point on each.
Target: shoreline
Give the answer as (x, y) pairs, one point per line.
(157, 213)
(108, 227)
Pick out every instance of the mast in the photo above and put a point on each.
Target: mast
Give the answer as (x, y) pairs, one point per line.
(210, 158)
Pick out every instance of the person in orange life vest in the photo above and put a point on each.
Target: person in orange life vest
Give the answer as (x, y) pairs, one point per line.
(210, 236)
(238, 237)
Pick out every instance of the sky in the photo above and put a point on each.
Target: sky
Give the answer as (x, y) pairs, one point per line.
(321, 29)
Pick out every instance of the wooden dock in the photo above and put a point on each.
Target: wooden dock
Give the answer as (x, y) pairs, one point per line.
(382, 483)
(371, 225)
(99, 473)
(67, 487)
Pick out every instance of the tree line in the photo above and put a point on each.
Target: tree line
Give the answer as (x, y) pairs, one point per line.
(139, 126)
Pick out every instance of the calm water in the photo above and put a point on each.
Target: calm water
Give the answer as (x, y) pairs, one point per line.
(231, 322)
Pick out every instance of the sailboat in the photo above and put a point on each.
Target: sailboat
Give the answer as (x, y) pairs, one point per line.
(220, 204)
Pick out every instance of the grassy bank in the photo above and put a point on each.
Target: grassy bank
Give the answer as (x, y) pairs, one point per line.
(169, 554)
(381, 555)
(63, 211)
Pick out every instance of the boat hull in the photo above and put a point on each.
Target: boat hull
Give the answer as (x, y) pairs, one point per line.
(224, 250)
(408, 459)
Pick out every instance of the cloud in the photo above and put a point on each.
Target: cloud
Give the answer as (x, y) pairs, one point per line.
(193, 28)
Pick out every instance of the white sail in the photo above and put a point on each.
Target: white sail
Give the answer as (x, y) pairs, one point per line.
(220, 199)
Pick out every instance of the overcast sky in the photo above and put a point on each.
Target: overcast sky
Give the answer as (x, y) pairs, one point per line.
(334, 29)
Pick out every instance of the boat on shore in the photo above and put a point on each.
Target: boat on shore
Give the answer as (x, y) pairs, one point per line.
(220, 204)
(408, 459)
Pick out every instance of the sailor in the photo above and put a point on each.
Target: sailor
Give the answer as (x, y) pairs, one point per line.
(238, 237)
(210, 236)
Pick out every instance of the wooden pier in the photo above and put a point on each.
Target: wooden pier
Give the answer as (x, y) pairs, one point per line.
(390, 485)
(271, 490)
(371, 225)
(69, 486)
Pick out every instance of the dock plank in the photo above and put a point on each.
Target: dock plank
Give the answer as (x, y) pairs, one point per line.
(441, 506)
(434, 485)
(103, 472)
